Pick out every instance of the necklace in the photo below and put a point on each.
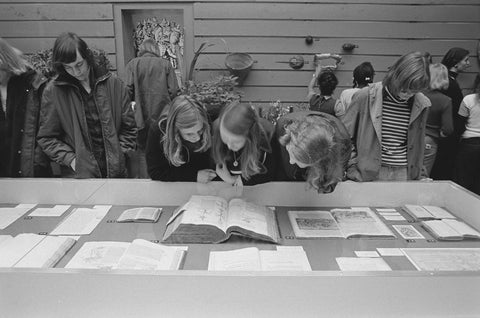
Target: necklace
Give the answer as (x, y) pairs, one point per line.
(235, 162)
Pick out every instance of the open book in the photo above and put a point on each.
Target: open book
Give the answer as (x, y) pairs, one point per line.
(450, 230)
(252, 259)
(426, 212)
(140, 254)
(211, 219)
(338, 223)
(144, 214)
(33, 250)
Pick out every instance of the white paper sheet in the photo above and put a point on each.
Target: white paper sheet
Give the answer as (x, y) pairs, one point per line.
(81, 221)
(10, 215)
(362, 264)
(57, 210)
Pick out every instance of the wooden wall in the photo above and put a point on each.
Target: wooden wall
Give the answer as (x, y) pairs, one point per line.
(271, 32)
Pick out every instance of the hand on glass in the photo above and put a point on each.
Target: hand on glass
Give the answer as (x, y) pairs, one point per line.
(206, 175)
(224, 174)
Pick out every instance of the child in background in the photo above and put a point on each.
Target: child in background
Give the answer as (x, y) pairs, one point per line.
(362, 76)
(323, 102)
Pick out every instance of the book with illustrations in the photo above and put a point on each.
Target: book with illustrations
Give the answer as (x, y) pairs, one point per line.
(211, 219)
(33, 250)
(139, 254)
(344, 223)
(426, 212)
(450, 230)
(143, 214)
(253, 259)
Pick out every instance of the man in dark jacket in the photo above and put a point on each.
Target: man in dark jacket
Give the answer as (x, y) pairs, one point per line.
(87, 125)
(152, 84)
(21, 89)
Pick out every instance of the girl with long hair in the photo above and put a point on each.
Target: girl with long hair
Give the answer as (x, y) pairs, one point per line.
(316, 148)
(244, 149)
(178, 144)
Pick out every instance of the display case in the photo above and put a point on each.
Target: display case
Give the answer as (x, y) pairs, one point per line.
(195, 292)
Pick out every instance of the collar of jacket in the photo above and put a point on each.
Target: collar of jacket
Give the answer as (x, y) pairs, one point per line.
(148, 54)
(30, 77)
(66, 79)
(420, 102)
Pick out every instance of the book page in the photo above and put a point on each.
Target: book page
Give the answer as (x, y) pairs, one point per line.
(444, 259)
(99, 255)
(417, 212)
(13, 250)
(438, 212)
(47, 253)
(362, 264)
(252, 217)
(10, 215)
(140, 214)
(284, 260)
(145, 255)
(360, 222)
(208, 210)
(462, 228)
(82, 221)
(314, 224)
(245, 259)
(441, 230)
(5, 238)
(57, 210)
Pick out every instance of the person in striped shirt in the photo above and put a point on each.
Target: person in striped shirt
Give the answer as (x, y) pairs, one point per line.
(386, 122)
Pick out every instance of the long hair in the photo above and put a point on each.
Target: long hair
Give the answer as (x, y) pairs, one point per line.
(11, 59)
(312, 141)
(363, 75)
(438, 77)
(240, 119)
(409, 73)
(182, 113)
(65, 51)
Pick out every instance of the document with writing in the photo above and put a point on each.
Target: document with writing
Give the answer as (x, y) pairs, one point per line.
(82, 221)
(210, 219)
(10, 215)
(252, 259)
(338, 223)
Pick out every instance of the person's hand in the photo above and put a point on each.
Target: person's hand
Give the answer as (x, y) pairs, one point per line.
(72, 164)
(224, 174)
(205, 175)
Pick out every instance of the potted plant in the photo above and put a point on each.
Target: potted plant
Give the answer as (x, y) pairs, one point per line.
(214, 94)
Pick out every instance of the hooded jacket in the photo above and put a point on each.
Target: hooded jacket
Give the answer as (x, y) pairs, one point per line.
(63, 132)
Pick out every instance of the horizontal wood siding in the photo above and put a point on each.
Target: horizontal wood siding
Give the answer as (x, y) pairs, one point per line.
(34, 26)
(272, 33)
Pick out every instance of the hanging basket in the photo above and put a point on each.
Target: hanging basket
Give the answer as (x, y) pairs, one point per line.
(239, 65)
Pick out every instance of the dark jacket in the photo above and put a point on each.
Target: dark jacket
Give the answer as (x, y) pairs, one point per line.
(439, 115)
(363, 121)
(270, 154)
(455, 93)
(159, 168)
(22, 156)
(289, 172)
(320, 104)
(63, 133)
(152, 83)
